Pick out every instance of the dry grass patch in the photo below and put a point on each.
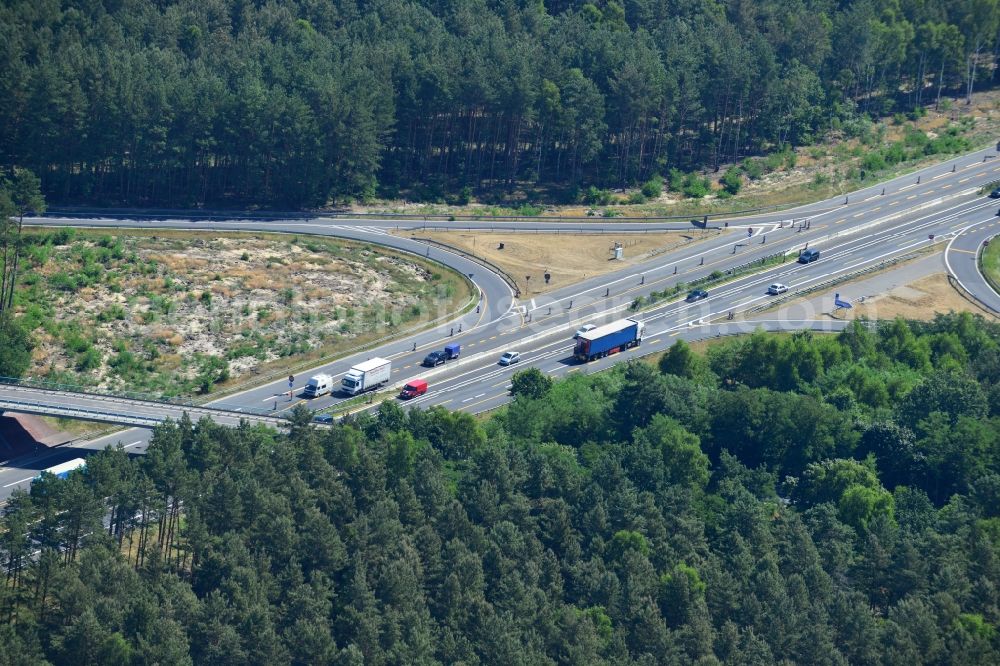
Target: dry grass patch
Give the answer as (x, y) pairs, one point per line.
(920, 300)
(569, 258)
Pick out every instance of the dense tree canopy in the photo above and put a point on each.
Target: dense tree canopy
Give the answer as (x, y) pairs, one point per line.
(720, 522)
(295, 102)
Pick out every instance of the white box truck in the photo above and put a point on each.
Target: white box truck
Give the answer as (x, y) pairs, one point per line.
(318, 385)
(366, 376)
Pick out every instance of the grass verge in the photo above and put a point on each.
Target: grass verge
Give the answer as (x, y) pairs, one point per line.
(989, 263)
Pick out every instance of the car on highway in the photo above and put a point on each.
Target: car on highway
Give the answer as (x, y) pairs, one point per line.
(696, 295)
(777, 288)
(586, 328)
(808, 256)
(435, 358)
(510, 358)
(995, 194)
(323, 418)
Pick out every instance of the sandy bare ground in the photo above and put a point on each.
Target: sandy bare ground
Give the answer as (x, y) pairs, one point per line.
(920, 300)
(568, 258)
(164, 312)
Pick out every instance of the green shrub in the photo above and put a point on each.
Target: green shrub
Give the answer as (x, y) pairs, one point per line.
(773, 162)
(594, 196)
(88, 360)
(637, 198)
(873, 161)
(75, 342)
(696, 187)
(653, 187)
(114, 312)
(894, 153)
(63, 282)
(753, 168)
(914, 138)
(124, 363)
(15, 347)
(732, 181)
(63, 236)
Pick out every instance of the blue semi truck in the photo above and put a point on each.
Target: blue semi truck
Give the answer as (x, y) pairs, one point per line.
(608, 339)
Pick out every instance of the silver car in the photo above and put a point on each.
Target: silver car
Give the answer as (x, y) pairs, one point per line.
(510, 358)
(777, 288)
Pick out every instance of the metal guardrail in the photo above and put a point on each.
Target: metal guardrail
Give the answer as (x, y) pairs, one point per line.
(979, 265)
(163, 213)
(101, 416)
(558, 229)
(91, 391)
(798, 293)
(236, 411)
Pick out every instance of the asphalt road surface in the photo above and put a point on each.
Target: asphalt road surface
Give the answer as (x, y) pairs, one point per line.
(962, 258)
(853, 233)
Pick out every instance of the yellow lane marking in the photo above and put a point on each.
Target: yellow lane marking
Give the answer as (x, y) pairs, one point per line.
(955, 249)
(912, 196)
(477, 403)
(572, 370)
(675, 333)
(653, 342)
(964, 179)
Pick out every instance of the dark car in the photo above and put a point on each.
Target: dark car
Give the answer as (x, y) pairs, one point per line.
(323, 418)
(696, 295)
(435, 358)
(995, 194)
(808, 256)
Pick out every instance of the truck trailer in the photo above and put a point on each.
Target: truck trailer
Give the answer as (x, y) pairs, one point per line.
(366, 376)
(608, 339)
(62, 470)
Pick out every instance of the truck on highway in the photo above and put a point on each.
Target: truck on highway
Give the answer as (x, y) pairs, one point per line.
(366, 376)
(608, 339)
(318, 385)
(62, 470)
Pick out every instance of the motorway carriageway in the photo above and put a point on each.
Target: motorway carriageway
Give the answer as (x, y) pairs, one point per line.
(892, 230)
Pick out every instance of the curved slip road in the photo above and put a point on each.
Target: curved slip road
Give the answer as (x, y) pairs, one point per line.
(962, 258)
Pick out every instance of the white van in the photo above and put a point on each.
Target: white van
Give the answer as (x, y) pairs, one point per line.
(318, 385)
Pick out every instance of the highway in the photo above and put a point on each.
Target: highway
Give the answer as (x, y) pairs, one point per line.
(925, 209)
